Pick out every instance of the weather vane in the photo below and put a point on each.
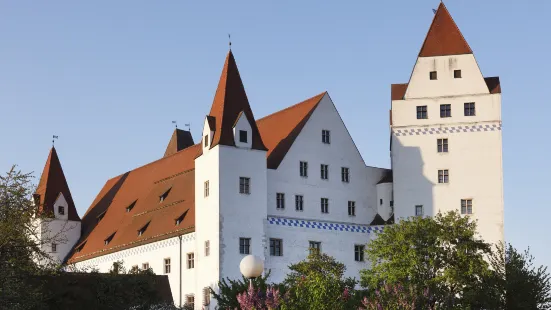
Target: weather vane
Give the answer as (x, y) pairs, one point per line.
(53, 139)
(188, 125)
(175, 123)
(229, 38)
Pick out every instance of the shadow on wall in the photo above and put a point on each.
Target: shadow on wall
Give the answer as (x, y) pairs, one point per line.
(410, 185)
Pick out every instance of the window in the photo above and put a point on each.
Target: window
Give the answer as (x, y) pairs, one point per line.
(206, 296)
(422, 112)
(299, 202)
(61, 210)
(54, 247)
(106, 241)
(442, 145)
(276, 247)
(100, 216)
(303, 169)
(206, 139)
(324, 172)
(445, 110)
(180, 218)
(190, 301)
(380, 201)
(352, 208)
(142, 230)
(324, 205)
(359, 253)
(466, 206)
(244, 185)
(145, 266)
(163, 196)
(392, 203)
(457, 74)
(280, 201)
(433, 75)
(207, 248)
(131, 206)
(314, 247)
(326, 136)
(167, 265)
(443, 176)
(244, 245)
(470, 109)
(206, 188)
(419, 210)
(190, 260)
(243, 136)
(345, 174)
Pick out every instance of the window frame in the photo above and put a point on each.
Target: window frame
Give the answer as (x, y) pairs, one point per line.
(167, 265)
(303, 169)
(314, 247)
(207, 248)
(244, 245)
(419, 207)
(359, 252)
(324, 205)
(206, 140)
(445, 110)
(245, 185)
(457, 74)
(469, 108)
(422, 112)
(442, 145)
(280, 201)
(443, 176)
(190, 300)
(61, 210)
(190, 260)
(54, 247)
(243, 136)
(326, 136)
(433, 75)
(276, 247)
(324, 171)
(351, 208)
(145, 266)
(466, 206)
(207, 188)
(299, 203)
(345, 174)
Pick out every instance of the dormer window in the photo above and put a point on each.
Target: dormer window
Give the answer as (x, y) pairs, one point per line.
(108, 240)
(180, 219)
(206, 139)
(100, 216)
(142, 230)
(80, 247)
(433, 75)
(163, 196)
(61, 210)
(243, 136)
(131, 206)
(456, 74)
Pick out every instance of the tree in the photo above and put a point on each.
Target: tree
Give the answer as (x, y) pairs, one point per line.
(442, 254)
(319, 283)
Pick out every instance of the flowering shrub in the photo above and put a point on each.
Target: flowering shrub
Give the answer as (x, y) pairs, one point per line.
(256, 299)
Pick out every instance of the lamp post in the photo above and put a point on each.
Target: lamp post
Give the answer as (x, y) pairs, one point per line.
(251, 267)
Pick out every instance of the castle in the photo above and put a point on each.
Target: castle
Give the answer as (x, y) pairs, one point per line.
(294, 181)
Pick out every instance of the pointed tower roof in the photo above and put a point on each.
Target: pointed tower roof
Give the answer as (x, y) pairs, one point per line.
(229, 101)
(444, 37)
(180, 140)
(52, 183)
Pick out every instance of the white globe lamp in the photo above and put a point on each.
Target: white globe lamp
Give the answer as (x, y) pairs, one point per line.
(251, 266)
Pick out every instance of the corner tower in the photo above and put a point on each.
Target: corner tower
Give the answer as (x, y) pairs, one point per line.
(59, 222)
(230, 184)
(446, 144)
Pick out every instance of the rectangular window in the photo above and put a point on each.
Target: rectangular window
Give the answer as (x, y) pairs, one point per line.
(466, 206)
(206, 188)
(190, 301)
(324, 172)
(443, 176)
(61, 210)
(457, 74)
(206, 296)
(303, 169)
(276, 247)
(167, 265)
(243, 136)
(207, 248)
(280, 201)
(445, 110)
(206, 139)
(314, 247)
(145, 266)
(419, 210)
(352, 208)
(433, 75)
(470, 109)
(324, 205)
(244, 245)
(345, 175)
(359, 253)
(299, 202)
(244, 185)
(54, 247)
(442, 145)
(422, 112)
(326, 136)
(190, 260)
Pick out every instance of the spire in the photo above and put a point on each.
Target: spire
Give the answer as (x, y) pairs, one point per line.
(444, 37)
(52, 183)
(180, 140)
(229, 101)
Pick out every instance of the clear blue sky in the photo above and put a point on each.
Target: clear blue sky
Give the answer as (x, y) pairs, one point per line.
(108, 77)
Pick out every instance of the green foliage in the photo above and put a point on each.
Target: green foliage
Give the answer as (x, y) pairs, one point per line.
(319, 283)
(442, 254)
(229, 289)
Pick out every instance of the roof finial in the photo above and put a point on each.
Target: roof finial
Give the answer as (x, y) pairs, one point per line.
(53, 140)
(188, 125)
(229, 38)
(175, 123)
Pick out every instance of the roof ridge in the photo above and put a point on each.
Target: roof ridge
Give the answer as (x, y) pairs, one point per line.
(293, 106)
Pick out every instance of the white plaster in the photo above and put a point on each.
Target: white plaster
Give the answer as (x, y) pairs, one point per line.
(242, 124)
(384, 197)
(61, 202)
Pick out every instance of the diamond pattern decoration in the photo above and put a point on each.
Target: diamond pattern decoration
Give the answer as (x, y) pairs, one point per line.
(366, 229)
(441, 130)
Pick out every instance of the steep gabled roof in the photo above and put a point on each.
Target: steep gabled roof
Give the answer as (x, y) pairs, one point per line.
(398, 91)
(52, 183)
(230, 100)
(444, 37)
(494, 85)
(180, 140)
(279, 130)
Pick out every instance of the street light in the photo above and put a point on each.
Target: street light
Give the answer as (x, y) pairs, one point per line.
(251, 267)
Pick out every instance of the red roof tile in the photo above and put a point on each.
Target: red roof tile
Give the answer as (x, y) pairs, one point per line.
(494, 85)
(229, 101)
(398, 91)
(180, 140)
(52, 183)
(444, 37)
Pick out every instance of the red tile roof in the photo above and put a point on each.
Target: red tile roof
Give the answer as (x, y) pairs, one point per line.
(180, 140)
(52, 183)
(398, 91)
(494, 85)
(444, 37)
(229, 101)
